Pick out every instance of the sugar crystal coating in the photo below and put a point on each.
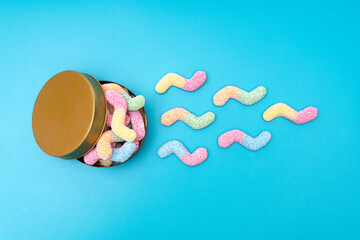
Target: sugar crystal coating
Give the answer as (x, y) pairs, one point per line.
(112, 86)
(137, 124)
(137, 143)
(106, 146)
(119, 128)
(199, 122)
(247, 98)
(119, 117)
(176, 147)
(283, 110)
(133, 103)
(254, 144)
(109, 118)
(181, 114)
(123, 153)
(91, 157)
(173, 79)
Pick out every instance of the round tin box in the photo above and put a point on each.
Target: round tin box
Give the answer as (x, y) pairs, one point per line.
(69, 115)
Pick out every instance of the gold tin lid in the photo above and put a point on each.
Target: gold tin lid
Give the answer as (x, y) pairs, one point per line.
(69, 115)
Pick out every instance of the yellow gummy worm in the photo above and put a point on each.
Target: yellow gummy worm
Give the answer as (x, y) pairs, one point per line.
(170, 79)
(119, 128)
(280, 110)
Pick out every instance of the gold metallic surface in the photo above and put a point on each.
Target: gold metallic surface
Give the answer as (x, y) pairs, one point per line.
(69, 115)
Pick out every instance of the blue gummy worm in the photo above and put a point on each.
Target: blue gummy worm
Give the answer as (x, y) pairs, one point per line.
(123, 153)
(170, 147)
(258, 142)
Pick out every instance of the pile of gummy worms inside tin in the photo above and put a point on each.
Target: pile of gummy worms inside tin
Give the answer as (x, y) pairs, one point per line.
(123, 131)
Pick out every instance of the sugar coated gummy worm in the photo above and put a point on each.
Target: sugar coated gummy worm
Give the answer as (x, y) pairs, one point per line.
(118, 122)
(103, 147)
(283, 110)
(175, 114)
(247, 98)
(123, 153)
(109, 118)
(133, 103)
(137, 124)
(137, 143)
(120, 154)
(182, 153)
(92, 157)
(228, 138)
(173, 79)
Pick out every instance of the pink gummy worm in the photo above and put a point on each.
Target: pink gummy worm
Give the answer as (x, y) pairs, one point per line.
(137, 143)
(91, 157)
(115, 99)
(127, 120)
(306, 115)
(137, 124)
(196, 157)
(227, 138)
(195, 81)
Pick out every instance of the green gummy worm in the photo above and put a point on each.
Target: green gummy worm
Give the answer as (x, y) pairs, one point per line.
(249, 98)
(134, 103)
(199, 122)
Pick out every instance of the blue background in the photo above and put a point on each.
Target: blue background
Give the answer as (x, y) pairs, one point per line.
(305, 184)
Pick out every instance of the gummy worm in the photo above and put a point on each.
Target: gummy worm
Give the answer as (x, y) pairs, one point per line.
(92, 157)
(118, 155)
(137, 143)
(123, 153)
(133, 103)
(247, 98)
(118, 122)
(182, 153)
(137, 124)
(173, 79)
(103, 147)
(228, 138)
(109, 118)
(283, 110)
(175, 114)
(105, 163)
